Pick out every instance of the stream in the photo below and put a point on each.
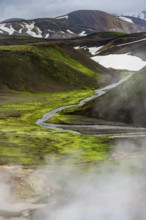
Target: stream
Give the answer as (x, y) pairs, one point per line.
(93, 130)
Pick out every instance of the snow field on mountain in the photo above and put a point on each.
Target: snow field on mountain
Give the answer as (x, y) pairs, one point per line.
(141, 15)
(92, 50)
(9, 29)
(30, 28)
(70, 32)
(120, 62)
(126, 19)
(83, 33)
(63, 17)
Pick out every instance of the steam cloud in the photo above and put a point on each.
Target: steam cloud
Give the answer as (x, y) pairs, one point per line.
(112, 190)
(115, 190)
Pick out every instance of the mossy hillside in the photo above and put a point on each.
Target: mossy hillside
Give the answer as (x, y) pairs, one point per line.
(23, 142)
(44, 66)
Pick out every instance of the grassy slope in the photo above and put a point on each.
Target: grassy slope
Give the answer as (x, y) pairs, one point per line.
(45, 67)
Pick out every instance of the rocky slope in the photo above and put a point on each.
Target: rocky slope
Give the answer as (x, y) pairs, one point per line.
(101, 21)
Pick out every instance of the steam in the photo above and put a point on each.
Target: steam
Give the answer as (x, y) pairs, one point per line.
(112, 190)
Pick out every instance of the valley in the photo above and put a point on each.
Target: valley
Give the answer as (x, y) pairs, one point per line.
(72, 117)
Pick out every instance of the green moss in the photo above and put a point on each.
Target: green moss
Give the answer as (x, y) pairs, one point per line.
(23, 142)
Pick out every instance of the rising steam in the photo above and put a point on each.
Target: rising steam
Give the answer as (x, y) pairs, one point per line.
(115, 190)
(111, 190)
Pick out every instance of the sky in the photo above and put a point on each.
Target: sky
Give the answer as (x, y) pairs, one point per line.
(51, 8)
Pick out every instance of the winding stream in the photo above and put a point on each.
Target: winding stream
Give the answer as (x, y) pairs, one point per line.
(95, 130)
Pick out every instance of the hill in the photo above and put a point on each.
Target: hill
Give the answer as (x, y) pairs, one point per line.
(46, 66)
(126, 103)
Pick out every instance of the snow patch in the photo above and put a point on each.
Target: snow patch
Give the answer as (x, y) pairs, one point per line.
(77, 47)
(83, 33)
(126, 19)
(7, 28)
(30, 31)
(62, 17)
(69, 31)
(141, 15)
(47, 35)
(94, 50)
(120, 61)
(20, 31)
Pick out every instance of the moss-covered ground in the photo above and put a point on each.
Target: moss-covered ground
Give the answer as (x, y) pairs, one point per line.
(24, 142)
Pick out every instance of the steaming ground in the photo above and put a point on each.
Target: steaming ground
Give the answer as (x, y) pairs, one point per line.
(111, 190)
(101, 196)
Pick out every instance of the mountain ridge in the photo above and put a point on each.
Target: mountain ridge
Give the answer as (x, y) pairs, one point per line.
(75, 24)
(141, 15)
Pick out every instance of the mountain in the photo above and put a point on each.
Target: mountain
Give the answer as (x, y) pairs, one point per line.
(134, 20)
(101, 21)
(75, 24)
(13, 20)
(141, 15)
